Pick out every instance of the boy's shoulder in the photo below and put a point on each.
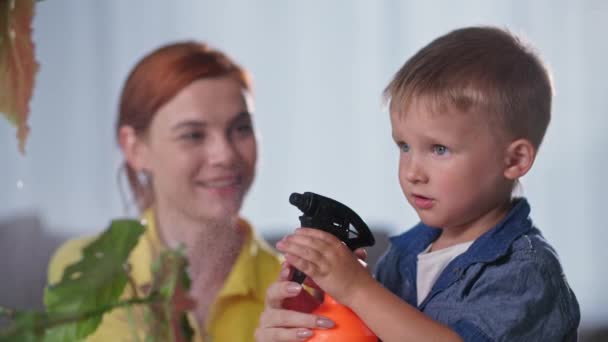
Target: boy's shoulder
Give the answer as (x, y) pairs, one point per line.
(531, 263)
(533, 248)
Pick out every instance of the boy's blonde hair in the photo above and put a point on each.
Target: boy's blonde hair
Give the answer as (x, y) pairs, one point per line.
(482, 69)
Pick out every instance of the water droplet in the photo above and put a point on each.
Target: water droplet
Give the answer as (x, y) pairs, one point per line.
(19, 184)
(99, 255)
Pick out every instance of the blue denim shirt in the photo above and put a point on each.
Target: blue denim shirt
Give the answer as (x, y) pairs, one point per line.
(508, 286)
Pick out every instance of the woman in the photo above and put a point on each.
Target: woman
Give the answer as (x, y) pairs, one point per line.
(185, 130)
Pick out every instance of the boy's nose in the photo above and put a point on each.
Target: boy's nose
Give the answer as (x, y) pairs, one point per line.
(414, 172)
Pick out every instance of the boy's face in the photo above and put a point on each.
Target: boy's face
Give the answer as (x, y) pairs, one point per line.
(451, 165)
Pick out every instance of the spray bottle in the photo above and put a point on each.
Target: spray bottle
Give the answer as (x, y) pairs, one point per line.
(337, 219)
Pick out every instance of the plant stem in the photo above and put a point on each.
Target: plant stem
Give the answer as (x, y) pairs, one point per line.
(58, 319)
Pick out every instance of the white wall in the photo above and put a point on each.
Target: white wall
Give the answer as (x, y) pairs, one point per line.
(319, 69)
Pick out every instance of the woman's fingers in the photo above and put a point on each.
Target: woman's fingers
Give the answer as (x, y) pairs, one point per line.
(281, 318)
(282, 334)
(280, 290)
(290, 295)
(288, 325)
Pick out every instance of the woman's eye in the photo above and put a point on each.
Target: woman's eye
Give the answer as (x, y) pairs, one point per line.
(194, 135)
(440, 150)
(403, 147)
(244, 129)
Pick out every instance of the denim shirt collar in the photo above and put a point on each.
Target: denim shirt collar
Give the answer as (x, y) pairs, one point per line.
(489, 247)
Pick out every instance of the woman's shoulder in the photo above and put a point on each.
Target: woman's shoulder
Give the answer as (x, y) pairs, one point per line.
(266, 259)
(267, 256)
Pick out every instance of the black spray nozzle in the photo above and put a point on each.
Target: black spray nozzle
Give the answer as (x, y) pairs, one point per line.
(302, 202)
(333, 217)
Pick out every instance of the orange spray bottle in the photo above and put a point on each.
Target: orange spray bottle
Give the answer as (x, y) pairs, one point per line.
(335, 218)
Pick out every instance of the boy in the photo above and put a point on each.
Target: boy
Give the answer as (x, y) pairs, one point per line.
(468, 114)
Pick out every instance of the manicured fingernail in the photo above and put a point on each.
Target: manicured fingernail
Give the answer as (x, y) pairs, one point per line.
(285, 272)
(294, 288)
(303, 334)
(324, 323)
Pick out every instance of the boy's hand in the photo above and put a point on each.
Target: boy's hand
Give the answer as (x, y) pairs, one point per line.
(326, 260)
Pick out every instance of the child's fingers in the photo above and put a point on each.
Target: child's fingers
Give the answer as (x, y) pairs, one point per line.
(311, 269)
(311, 242)
(318, 234)
(303, 249)
(317, 250)
(361, 253)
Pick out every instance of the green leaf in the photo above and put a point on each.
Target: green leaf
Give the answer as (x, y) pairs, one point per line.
(97, 280)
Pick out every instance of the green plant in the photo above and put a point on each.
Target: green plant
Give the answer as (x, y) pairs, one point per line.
(93, 286)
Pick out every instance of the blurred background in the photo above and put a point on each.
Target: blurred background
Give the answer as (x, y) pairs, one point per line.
(319, 69)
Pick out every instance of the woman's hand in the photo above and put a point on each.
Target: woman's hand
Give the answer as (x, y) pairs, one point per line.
(286, 316)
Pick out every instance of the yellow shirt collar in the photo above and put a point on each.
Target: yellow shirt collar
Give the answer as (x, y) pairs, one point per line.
(242, 280)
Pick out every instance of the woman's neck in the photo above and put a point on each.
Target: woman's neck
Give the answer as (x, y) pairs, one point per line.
(203, 239)
(212, 248)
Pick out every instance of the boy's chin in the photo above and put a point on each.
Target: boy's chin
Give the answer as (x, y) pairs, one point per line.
(433, 222)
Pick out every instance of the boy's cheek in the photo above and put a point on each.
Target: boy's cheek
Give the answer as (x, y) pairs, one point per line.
(402, 181)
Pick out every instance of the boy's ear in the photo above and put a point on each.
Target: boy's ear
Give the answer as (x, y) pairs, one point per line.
(519, 158)
(133, 148)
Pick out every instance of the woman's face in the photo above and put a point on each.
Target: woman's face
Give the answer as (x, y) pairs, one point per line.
(200, 150)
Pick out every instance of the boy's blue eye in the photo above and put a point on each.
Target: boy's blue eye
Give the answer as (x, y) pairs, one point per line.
(404, 147)
(440, 150)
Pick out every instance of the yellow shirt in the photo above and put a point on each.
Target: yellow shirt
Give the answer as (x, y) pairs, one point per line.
(234, 315)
